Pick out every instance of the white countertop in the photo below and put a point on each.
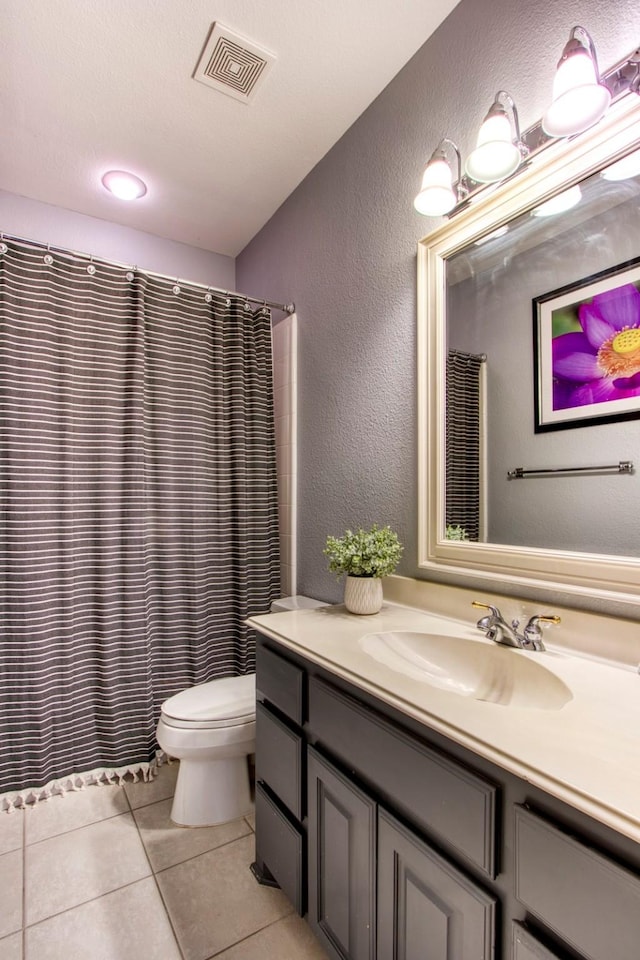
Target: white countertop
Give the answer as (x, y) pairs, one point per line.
(587, 753)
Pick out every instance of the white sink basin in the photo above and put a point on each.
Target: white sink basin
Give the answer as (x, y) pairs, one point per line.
(470, 668)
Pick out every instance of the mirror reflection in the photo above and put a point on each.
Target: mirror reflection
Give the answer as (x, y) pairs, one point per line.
(543, 374)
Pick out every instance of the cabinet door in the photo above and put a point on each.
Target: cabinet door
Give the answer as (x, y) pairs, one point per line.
(427, 908)
(524, 946)
(341, 831)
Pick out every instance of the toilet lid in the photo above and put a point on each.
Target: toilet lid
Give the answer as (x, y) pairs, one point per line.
(225, 702)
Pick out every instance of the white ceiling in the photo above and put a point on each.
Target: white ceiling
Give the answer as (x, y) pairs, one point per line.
(92, 85)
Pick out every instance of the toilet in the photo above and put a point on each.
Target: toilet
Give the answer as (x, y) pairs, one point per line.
(211, 729)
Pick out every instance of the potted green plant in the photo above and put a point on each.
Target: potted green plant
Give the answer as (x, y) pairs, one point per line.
(365, 556)
(454, 531)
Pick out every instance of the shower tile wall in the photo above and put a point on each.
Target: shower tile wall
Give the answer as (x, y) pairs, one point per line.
(285, 352)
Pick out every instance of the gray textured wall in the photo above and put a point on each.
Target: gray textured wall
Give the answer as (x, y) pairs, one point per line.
(46, 223)
(343, 246)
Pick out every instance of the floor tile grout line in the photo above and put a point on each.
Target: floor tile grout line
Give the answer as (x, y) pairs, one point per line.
(84, 903)
(24, 886)
(169, 918)
(203, 853)
(83, 826)
(253, 934)
(150, 802)
(157, 885)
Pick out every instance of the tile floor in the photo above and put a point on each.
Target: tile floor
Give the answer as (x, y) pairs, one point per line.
(104, 873)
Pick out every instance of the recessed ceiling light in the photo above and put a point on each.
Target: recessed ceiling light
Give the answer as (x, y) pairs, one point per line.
(125, 186)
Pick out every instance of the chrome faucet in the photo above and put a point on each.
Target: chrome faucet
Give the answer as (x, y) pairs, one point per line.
(497, 629)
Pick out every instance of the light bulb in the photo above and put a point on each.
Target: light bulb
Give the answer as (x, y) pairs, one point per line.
(496, 156)
(579, 100)
(497, 153)
(125, 186)
(437, 195)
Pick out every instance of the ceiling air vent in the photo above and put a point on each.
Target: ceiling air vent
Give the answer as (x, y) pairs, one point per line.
(232, 64)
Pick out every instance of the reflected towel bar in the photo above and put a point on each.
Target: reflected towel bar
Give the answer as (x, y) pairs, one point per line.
(624, 466)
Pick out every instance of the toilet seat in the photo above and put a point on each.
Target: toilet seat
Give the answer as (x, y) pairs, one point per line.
(228, 702)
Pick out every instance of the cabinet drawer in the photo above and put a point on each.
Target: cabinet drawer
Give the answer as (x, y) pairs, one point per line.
(281, 683)
(279, 759)
(280, 847)
(451, 803)
(524, 946)
(587, 899)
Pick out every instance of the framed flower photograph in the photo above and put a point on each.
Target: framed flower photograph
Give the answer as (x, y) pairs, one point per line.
(587, 350)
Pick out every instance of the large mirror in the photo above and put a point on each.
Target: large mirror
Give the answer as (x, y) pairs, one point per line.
(529, 372)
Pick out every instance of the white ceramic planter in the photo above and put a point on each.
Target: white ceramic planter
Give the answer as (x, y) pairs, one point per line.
(363, 595)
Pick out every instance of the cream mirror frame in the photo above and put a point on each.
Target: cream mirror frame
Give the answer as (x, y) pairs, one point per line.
(559, 166)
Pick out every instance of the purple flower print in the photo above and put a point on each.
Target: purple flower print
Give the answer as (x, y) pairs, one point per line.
(603, 361)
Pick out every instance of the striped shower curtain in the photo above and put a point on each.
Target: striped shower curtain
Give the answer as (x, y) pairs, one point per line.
(464, 443)
(138, 523)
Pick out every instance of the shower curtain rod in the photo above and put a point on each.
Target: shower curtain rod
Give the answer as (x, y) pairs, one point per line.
(285, 307)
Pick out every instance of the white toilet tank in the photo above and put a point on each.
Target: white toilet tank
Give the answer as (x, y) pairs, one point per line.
(296, 603)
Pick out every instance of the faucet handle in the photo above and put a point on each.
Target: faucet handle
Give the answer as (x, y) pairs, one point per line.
(546, 618)
(533, 631)
(489, 620)
(486, 606)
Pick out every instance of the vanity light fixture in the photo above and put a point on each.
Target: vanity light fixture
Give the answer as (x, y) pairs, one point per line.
(439, 193)
(558, 204)
(499, 151)
(123, 185)
(579, 99)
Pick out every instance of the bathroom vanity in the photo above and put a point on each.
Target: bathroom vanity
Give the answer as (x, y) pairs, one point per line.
(481, 806)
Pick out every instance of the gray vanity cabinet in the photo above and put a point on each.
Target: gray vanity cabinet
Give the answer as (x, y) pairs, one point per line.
(407, 846)
(342, 861)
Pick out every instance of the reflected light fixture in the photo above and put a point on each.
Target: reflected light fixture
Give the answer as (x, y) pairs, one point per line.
(558, 204)
(125, 186)
(498, 232)
(579, 99)
(439, 192)
(623, 169)
(498, 152)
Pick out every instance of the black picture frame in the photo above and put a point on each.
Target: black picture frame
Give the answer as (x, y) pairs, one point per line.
(563, 402)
